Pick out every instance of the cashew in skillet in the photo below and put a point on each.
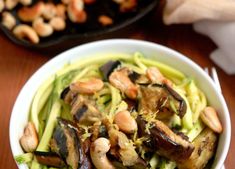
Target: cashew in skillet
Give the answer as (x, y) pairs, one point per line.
(29, 14)
(2, 5)
(57, 23)
(10, 4)
(76, 11)
(125, 122)
(26, 2)
(43, 29)
(29, 140)
(49, 11)
(105, 20)
(23, 31)
(61, 11)
(66, 2)
(8, 20)
(98, 151)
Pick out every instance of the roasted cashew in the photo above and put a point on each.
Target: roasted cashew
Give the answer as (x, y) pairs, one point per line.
(29, 14)
(29, 140)
(66, 2)
(88, 87)
(26, 2)
(10, 4)
(210, 118)
(128, 5)
(76, 11)
(49, 11)
(125, 122)
(2, 5)
(105, 20)
(23, 31)
(155, 76)
(61, 11)
(57, 23)
(121, 80)
(43, 29)
(98, 151)
(8, 20)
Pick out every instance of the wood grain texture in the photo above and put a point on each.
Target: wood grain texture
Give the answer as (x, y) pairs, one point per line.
(17, 64)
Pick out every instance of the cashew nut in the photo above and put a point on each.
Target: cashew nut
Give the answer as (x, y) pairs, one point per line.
(88, 87)
(120, 80)
(210, 118)
(26, 2)
(43, 29)
(98, 151)
(155, 76)
(125, 122)
(29, 14)
(10, 4)
(2, 5)
(105, 20)
(66, 2)
(49, 11)
(29, 140)
(23, 31)
(76, 11)
(8, 20)
(128, 5)
(57, 23)
(61, 11)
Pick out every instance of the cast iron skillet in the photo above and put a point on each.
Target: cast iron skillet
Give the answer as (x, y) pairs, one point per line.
(78, 33)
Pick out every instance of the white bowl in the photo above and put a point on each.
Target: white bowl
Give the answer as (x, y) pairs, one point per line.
(163, 54)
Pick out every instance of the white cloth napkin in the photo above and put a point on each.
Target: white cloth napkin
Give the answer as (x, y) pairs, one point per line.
(214, 18)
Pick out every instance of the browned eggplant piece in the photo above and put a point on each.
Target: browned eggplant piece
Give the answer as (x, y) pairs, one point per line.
(165, 141)
(132, 104)
(161, 98)
(84, 111)
(67, 143)
(138, 78)
(49, 158)
(108, 68)
(205, 147)
(67, 95)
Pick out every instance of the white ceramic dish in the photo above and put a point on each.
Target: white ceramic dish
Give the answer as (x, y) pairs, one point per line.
(20, 111)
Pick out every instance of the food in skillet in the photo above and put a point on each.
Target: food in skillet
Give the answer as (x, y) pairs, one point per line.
(33, 20)
(119, 111)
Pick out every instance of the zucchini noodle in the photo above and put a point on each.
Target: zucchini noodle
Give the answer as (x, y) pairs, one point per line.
(116, 99)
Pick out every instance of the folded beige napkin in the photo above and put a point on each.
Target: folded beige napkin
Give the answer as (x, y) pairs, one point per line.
(214, 18)
(189, 11)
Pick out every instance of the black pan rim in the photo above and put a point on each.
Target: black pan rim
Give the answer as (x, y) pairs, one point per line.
(65, 37)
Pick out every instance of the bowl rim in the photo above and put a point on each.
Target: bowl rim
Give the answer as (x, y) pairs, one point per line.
(165, 49)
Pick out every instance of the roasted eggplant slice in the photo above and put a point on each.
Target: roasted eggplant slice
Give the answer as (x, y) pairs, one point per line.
(84, 112)
(49, 158)
(108, 68)
(161, 98)
(67, 143)
(205, 146)
(138, 78)
(165, 141)
(67, 95)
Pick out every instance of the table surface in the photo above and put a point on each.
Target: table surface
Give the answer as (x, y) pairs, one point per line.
(17, 64)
